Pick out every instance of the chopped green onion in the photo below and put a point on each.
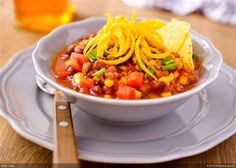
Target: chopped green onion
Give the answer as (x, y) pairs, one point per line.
(167, 61)
(147, 75)
(99, 72)
(92, 56)
(169, 67)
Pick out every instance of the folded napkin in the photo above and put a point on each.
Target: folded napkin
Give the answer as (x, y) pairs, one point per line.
(218, 10)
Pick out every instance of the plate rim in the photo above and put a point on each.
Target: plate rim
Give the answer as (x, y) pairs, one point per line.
(98, 158)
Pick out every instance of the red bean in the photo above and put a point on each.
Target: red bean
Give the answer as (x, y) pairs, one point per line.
(158, 86)
(180, 88)
(96, 90)
(65, 56)
(112, 69)
(78, 50)
(90, 36)
(192, 79)
(90, 74)
(112, 75)
(107, 90)
(115, 88)
(70, 49)
(70, 70)
(98, 65)
(146, 89)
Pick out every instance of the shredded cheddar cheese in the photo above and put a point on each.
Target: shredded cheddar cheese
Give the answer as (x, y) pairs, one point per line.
(120, 39)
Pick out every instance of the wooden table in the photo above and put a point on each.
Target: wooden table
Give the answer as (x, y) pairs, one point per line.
(16, 149)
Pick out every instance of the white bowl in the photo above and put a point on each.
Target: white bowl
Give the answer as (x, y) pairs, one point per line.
(122, 111)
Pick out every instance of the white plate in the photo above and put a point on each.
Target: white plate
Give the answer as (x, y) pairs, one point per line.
(200, 124)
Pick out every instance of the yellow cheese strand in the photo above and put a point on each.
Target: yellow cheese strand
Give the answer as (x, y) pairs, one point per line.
(123, 41)
(102, 43)
(146, 49)
(139, 60)
(91, 44)
(124, 58)
(154, 50)
(152, 25)
(155, 41)
(145, 60)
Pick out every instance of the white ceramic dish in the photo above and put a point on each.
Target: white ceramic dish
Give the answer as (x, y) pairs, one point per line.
(123, 111)
(202, 122)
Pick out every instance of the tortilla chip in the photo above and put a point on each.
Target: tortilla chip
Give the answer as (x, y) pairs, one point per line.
(186, 53)
(176, 38)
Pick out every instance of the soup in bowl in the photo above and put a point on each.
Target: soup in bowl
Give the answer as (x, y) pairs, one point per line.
(125, 70)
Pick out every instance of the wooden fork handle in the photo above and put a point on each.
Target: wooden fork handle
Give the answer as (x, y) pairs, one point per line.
(65, 151)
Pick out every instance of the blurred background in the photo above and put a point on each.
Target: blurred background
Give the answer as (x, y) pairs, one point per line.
(45, 15)
(24, 22)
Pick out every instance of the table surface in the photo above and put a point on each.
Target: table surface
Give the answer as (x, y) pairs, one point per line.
(16, 149)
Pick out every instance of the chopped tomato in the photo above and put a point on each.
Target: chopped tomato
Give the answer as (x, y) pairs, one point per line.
(82, 59)
(86, 83)
(77, 61)
(62, 74)
(159, 73)
(125, 92)
(75, 64)
(135, 79)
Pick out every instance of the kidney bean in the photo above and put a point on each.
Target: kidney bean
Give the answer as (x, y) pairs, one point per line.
(115, 88)
(65, 56)
(90, 36)
(145, 89)
(70, 70)
(96, 90)
(102, 79)
(180, 88)
(70, 78)
(112, 68)
(158, 86)
(112, 75)
(98, 65)
(192, 79)
(70, 49)
(90, 74)
(78, 50)
(107, 90)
